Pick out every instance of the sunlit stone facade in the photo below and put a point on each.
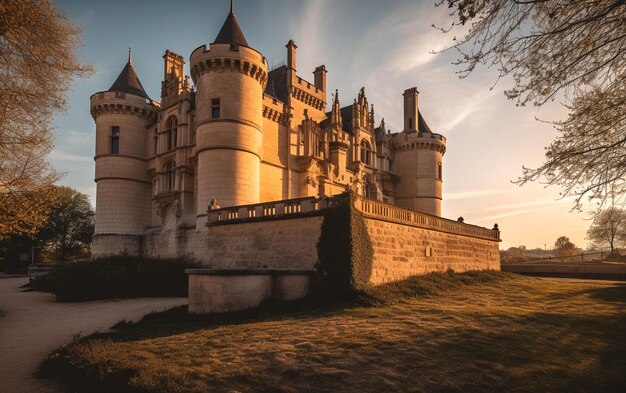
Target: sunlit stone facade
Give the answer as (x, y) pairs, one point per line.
(237, 133)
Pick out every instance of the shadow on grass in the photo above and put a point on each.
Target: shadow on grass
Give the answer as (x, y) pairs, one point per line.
(512, 354)
(543, 352)
(615, 294)
(178, 320)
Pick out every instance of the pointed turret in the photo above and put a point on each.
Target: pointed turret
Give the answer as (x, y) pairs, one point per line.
(335, 117)
(128, 81)
(230, 78)
(231, 32)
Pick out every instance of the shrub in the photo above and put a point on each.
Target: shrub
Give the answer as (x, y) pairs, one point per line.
(116, 277)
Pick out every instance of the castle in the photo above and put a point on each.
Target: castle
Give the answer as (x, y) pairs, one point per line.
(245, 137)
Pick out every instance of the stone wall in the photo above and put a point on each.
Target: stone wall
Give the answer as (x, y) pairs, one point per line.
(105, 245)
(405, 243)
(284, 235)
(273, 244)
(401, 251)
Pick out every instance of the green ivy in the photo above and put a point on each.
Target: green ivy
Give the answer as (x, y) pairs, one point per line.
(344, 251)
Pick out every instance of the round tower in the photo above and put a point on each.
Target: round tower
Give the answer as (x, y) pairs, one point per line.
(229, 77)
(123, 185)
(418, 161)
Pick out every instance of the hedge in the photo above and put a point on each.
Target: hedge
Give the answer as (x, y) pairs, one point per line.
(116, 277)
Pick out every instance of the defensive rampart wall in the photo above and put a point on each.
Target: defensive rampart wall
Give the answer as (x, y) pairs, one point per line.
(398, 243)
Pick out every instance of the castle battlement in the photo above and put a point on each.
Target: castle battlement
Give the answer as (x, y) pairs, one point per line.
(249, 62)
(108, 102)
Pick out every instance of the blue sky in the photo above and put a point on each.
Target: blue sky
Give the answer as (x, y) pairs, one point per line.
(382, 45)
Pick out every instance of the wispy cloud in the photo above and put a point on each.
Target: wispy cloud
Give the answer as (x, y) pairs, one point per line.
(59, 155)
(477, 194)
(538, 202)
(77, 138)
(514, 213)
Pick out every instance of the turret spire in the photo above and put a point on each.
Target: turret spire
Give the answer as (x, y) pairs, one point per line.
(130, 55)
(128, 81)
(335, 116)
(231, 33)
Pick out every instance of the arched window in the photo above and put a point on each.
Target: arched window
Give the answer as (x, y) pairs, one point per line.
(366, 152)
(169, 176)
(171, 133)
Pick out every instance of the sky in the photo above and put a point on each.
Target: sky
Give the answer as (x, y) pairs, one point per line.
(384, 46)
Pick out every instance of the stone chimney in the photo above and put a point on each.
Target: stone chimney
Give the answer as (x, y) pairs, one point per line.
(291, 55)
(320, 77)
(411, 109)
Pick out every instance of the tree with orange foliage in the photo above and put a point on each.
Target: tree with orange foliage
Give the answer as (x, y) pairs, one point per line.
(37, 66)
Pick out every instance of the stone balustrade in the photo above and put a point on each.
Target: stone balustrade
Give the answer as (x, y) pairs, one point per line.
(378, 210)
(368, 207)
(267, 209)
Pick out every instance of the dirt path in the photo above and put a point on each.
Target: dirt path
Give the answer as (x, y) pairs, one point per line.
(34, 324)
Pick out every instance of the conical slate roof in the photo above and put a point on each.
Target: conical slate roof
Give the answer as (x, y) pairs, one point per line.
(231, 32)
(128, 81)
(422, 126)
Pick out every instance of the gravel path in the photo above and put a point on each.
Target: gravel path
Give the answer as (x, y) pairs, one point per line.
(34, 324)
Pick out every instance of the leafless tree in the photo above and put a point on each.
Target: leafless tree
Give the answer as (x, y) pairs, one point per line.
(573, 50)
(609, 227)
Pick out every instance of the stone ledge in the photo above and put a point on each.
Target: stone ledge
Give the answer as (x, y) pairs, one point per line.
(249, 272)
(227, 290)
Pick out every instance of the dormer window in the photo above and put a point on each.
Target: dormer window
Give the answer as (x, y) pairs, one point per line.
(215, 108)
(115, 140)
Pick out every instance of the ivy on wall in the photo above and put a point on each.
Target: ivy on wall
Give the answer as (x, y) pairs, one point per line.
(344, 251)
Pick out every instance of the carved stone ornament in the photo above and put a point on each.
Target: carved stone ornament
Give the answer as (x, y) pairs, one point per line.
(176, 208)
(156, 205)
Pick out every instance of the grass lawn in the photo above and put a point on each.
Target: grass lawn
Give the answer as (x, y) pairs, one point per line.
(479, 332)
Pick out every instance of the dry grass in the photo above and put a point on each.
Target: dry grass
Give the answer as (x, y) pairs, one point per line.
(499, 333)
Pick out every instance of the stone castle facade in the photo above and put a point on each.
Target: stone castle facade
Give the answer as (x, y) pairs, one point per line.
(241, 135)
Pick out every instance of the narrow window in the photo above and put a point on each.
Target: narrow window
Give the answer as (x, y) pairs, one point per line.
(363, 151)
(410, 124)
(115, 140)
(171, 133)
(366, 152)
(170, 176)
(168, 137)
(439, 171)
(215, 108)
